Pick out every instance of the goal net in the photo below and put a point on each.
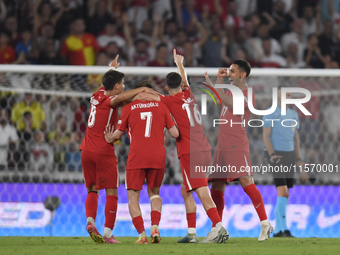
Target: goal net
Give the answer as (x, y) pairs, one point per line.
(43, 118)
(45, 109)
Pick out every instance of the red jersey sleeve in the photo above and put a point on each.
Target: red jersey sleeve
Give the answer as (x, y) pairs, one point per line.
(123, 121)
(169, 122)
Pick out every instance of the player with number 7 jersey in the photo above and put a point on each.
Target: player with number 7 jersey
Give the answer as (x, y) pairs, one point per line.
(98, 158)
(193, 151)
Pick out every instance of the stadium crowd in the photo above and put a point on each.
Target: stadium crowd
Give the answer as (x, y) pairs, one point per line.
(267, 33)
(44, 132)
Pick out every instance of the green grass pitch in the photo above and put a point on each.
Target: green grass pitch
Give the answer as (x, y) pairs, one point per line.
(168, 245)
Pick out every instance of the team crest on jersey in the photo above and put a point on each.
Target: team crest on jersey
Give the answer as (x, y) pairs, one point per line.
(94, 101)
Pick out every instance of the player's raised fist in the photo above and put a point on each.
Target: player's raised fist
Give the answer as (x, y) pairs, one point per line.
(222, 73)
(114, 63)
(178, 59)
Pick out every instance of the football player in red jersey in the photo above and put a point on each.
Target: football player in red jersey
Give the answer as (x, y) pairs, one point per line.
(98, 158)
(233, 146)
(144, 122)
(193, 149)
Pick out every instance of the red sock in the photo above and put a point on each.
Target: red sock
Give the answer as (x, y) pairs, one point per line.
(191, 218)
(218, 198)
(155, 217)
(139, 224)
(257, 200)
(91, 204)
(111, 211)
(213, 216)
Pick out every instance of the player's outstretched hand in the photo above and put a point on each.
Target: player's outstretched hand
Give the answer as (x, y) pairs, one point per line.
(108, 134)
(178, 59)
(114, 63)
(207, 79)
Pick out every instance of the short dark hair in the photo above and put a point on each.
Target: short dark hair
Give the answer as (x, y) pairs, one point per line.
(161, 46)
(242, 64)
(173, 80)
(144, 83)
(111, 78)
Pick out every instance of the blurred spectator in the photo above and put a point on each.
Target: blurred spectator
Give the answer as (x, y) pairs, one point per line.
(25, 46)
(47, 32)
(140, 52)
(3, 11)
(80, 47)
(61, 106)
(72, 9)
(137, 11)
(11, 27)
(7, 53)
(312, 55)
(263, 33)
(161, 7)
(72, 157)
(48, 55)
(242, 41)
(112, 51)
(311, 21)
(212, 48)
(270, 59)
(190, 60)
(293, 61)
(95, 80)
(147, 30)
(295, 37)
(161, 56)
(331, 119)
(233, 21)
(282, 20)
(98, 11)
(8, 136)
(41, 159)
(246, 7)
(185, 11)
(43, 14)
(111, 36)
(326, 41)
(170, 33)
(35, 108)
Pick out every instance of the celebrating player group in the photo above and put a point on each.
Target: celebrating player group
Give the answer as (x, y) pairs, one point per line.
(144, 116)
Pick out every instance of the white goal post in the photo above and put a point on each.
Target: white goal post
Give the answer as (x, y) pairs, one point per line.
(163, 71)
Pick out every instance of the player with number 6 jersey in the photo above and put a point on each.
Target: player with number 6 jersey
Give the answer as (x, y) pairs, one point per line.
(98, 158)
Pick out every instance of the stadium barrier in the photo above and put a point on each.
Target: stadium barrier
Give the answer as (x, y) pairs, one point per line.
(313, 211)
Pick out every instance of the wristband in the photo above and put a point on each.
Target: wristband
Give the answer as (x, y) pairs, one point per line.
(299, 159)
(273, 154)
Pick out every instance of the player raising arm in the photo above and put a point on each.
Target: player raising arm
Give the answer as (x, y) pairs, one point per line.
(144, 122)
(233, 147)
(193, 149)
(98, 158)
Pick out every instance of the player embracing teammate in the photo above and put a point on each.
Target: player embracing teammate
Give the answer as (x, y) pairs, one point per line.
(98, 158)
(193, 149)
(144, 122)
